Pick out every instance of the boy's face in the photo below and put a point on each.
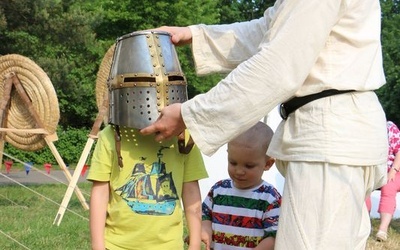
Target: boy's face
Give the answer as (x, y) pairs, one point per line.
(246, 165)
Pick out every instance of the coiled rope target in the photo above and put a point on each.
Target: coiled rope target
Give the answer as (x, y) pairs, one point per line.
(102, 77)
(40, 90)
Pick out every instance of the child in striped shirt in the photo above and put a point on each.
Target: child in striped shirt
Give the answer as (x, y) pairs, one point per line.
(243, 212)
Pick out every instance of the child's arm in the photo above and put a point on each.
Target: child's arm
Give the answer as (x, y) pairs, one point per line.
(192, 204)
(98, 209)
(206, 233)
(271, 214)
(266, 244)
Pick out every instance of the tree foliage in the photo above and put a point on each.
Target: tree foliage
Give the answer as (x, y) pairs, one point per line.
(242, 10)
(389, 93)
(58, 36)
(70, 144)
(68, 39)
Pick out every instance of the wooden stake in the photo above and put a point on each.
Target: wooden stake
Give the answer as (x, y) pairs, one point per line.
(4, 106)
(85, 153)
(73, 181)
(66, 172)
(12, 79)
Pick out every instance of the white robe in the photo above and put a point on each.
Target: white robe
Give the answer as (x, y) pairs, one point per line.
(301, 47)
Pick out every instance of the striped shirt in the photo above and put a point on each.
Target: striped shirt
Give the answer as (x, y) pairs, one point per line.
(241, 218)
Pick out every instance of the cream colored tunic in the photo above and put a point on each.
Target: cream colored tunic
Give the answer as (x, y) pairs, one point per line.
(332, 151)
(297, 48)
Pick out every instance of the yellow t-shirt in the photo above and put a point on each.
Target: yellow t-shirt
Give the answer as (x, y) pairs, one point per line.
(144, 210)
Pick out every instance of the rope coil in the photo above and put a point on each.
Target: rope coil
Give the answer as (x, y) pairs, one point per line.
(102, 77)
(40, 90)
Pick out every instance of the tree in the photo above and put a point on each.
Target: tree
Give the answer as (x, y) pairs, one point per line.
(390, 92)
(69, 38)
(242, 10)
(127, 16)
(58, 36)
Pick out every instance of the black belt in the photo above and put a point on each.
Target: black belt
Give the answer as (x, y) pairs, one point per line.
(296, 102)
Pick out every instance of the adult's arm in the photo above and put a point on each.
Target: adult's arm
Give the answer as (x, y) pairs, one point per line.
(294, 36)
(284, 59)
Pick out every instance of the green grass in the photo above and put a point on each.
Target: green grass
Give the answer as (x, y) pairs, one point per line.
(27, 217)
(393, 241)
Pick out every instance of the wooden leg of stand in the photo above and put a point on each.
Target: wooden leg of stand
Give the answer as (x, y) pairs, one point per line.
(73, 182)
(66, 172)
(4, 106)
(93, 134)
(1, 152)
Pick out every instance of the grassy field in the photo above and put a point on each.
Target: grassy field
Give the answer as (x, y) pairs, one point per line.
(27, 216)
(393, 241)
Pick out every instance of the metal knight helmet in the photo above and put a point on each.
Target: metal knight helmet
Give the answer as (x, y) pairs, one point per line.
(145, 76)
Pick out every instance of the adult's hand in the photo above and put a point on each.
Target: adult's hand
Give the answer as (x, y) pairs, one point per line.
(391, 174)
(169, 123)
(179, 35)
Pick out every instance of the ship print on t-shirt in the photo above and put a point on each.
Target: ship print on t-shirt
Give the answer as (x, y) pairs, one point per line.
(150, 192)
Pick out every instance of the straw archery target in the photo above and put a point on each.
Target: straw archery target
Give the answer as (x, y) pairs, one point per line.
(101, 80)
(40, 90)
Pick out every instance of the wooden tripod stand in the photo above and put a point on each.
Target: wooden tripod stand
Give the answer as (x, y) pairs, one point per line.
(11, 81)
(85, 153)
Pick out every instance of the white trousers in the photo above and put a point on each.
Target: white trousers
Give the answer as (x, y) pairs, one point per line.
(323, 205)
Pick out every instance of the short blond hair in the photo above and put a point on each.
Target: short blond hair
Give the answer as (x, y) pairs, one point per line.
(258, 136)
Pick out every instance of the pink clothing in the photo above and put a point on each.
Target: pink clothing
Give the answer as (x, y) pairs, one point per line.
(368, 203)
(394, 142)
(389, 191)
(387, 203)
